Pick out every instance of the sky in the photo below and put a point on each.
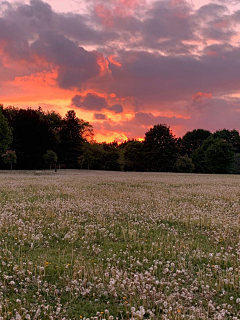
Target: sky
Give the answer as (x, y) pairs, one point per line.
(124, 65)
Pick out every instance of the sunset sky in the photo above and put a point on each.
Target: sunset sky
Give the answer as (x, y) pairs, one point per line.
(124, 65)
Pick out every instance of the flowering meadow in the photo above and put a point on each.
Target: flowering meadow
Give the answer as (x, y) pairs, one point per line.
(112, 245)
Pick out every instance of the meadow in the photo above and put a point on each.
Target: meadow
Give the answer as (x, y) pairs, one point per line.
(112, 245)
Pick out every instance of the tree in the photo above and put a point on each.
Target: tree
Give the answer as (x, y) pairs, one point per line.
(31, 136)
(199, 160)
(133, 156)
(88, 156)
(231, 136)
(9, 158)
(214, 156)
(160, 149)
(73, 133)
(110, 156)
(192, 140)
(219, 156)
(236, 164)
(184, 164)
(5, 133)
(81, 160)
(50, 157)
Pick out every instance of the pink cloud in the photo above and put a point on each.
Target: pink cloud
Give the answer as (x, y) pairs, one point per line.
(199, 96)
(105, 15)
(139, 62)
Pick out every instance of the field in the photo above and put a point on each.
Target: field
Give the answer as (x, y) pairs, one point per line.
(107, 245)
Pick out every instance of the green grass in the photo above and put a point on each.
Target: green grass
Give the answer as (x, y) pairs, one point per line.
(80, 244)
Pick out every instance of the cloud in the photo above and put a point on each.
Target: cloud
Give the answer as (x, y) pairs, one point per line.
(207, 113)
(76, 65)
(199, 96)
(157, 57)
(90, 102)
(116, 108)
(100, 116)
(168, 20)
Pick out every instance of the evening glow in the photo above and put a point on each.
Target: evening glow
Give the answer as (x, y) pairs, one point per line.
(124, 65)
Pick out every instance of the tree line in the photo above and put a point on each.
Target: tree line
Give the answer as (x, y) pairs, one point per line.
(35, 139)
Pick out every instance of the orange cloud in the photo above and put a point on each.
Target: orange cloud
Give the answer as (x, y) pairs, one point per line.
(105, 136)
(200, 95)
(34, 90)
(104, 65)
(112, 60)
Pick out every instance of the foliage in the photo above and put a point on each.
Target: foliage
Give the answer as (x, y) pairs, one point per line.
(9, 157)
(192, 140)
(160, 149)
(35, 131)
(50, 157)
(5, 133)
(88, 157)
(111, 156)
(81, 160)
(219, 156)
(31, 136)
(73, 133)
(214, 156)
(184, 164)
(133, 156)
(231, 136)
(236, 164)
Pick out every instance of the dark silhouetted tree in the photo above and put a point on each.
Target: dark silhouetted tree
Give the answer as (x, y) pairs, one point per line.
(5, 133)
(133, 156)
(184, 164)
(110, 156)
(50, 157)
(88, 157)
(73, 133)
(9, 158)
(160, 149)
(81, 161)
(192, 140)
(214, 156)
(31, 136)
(236, 164)
(231, 136)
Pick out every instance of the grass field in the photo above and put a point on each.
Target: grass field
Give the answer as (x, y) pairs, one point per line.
(108, 245)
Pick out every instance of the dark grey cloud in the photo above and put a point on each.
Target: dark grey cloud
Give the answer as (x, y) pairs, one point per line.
(100, 116)
(116, 108)
(170, 21)
(210, 11)
(38, 16)
(77, 27)
(32, 31)
(152, 77)
(76, 65)
(91, 102)
(215, 22)
(13, 40)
